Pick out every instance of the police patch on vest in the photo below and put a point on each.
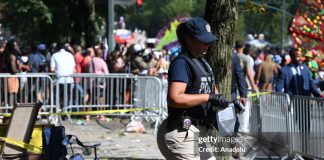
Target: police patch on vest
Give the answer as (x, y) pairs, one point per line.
(204, 85)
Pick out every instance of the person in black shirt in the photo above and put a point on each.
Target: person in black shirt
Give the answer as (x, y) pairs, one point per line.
(238, 84)
(9, 64)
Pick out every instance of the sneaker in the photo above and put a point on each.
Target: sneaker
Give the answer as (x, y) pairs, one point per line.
(102, 118)
(87, 117)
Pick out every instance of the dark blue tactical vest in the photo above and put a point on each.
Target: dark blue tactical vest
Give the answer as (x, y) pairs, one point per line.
(202, 82)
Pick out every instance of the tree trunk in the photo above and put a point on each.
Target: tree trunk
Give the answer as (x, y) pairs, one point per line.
(90, 26)
(221, 14)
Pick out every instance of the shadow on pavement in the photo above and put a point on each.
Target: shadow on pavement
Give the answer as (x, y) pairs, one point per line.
(113, 123)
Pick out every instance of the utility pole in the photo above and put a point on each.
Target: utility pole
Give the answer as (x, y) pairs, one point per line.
(283, 22)
(111, 23)
(283, 18)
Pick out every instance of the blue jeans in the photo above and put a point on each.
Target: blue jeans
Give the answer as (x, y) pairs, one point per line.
(78, 90)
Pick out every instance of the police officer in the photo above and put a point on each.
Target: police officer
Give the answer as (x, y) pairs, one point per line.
(191, 92)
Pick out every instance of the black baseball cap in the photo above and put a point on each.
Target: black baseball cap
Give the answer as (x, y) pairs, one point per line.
(200, 29)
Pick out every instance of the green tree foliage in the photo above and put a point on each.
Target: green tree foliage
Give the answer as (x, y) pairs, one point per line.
(262, 18)
(77, 20)
(22, 17)
(51, 21)
(252, 17)
(156, 13)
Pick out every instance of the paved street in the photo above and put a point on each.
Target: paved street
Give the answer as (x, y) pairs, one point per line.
(116, 144)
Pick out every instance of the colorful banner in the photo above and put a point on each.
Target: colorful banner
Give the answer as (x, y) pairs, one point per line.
(167, 37)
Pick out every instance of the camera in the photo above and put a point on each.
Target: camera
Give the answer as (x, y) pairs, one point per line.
(238, 106)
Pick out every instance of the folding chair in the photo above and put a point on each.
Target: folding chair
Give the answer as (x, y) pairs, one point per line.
(20, 128)
(87, 147)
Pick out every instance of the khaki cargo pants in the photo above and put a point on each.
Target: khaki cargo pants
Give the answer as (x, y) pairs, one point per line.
(180, 145)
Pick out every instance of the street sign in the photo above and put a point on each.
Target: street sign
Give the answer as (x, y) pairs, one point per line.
(125, 2)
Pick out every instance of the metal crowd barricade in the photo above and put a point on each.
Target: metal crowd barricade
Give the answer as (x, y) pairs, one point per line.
(295, 124)
(268, 122)
(307, 129)
(253, 109)
(164, 92)
(109, 94)
(90, 92)
(32, 88)
(274, 111)
(164, 109)
(149, 94)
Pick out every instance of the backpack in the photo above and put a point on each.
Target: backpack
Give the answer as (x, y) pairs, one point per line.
(54, 143)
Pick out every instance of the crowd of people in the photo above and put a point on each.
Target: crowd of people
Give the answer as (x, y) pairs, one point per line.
(263, 66)
(66, 59)
(269, 69)
(135, 58)
(191, 80)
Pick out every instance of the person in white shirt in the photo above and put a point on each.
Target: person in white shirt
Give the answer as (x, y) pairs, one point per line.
(63, 64)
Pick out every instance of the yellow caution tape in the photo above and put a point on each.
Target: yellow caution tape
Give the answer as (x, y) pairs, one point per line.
(29, 147)
(115, 110)
(38, 150)
(103, 111)
(6, 114)
(91, 112)
(255, 94)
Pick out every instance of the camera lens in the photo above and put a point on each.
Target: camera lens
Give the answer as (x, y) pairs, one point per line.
(240, 108)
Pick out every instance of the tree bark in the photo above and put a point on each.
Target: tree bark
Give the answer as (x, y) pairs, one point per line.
(222, 15)
(90, 26)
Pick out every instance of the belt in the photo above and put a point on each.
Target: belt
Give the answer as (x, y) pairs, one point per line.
(197, 122)
(177, 120)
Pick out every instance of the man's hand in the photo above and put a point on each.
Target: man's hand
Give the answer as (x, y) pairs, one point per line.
(243, 101)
